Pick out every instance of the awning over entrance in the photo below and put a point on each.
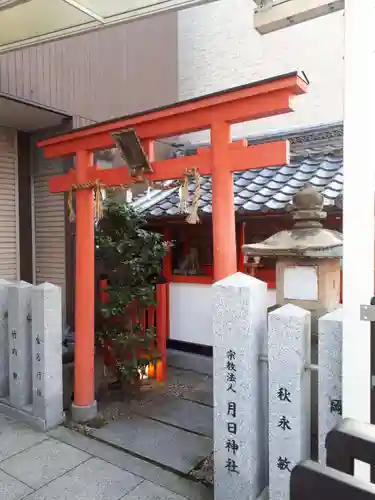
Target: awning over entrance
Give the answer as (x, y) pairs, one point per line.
(28, 22)
(25, 116)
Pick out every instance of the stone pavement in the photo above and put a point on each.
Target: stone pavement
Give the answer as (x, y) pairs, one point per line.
(63, 464)
(176, 417)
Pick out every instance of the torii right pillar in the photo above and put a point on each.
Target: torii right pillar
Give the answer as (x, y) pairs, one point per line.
(358, 211)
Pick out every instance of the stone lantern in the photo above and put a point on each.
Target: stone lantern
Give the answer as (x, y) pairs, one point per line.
(308, 257)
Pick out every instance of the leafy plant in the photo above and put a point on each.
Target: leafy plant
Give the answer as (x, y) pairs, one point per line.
(131, 257)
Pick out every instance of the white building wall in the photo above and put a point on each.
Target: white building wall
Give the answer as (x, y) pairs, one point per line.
(219, 48)
(194, 323)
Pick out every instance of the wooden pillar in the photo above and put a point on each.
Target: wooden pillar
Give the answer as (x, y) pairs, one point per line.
(148, 146)
(167, 261)
(84, 407)
(358, 208)
(168, 272)
(161, 330)
(223, 216)
(241, 257)
(103, 293)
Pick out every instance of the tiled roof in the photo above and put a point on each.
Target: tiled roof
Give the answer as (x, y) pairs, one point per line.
(258, 190)
(261, 190)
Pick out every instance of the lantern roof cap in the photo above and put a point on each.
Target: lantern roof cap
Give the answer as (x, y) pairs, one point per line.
(307, 238)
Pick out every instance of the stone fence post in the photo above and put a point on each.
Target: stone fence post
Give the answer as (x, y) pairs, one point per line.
(289, 348)
(240, 329)
(4, 342)
(19, 335)
(47, 354)
(31, 386)
(330, 376)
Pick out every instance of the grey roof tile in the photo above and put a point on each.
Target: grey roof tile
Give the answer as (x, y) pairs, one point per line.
(257, 190)
(288, 189)
(266, 191)
(301, 176)
(287, 170)
(308, 168)
(281, 197)
(251, 207)
(330, 193)
(173, 210)
(319, 180)
(336, 185)
(274, 205)
(241, 182)
(296, 183)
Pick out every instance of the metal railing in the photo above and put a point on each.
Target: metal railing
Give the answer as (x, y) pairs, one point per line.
(349, 441)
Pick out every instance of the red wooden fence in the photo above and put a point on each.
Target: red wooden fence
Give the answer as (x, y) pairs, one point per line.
(152, 317)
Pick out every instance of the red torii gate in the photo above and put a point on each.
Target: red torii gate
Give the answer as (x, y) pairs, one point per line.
(215, 112)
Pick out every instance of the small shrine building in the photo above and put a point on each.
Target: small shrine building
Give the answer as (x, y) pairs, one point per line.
(262, 203)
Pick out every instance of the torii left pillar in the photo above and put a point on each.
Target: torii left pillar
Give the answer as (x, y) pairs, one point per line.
(84, 407)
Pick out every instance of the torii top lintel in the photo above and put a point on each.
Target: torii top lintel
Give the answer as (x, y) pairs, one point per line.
(259, 99)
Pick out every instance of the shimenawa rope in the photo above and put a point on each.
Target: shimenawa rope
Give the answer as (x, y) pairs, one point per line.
(97, 186)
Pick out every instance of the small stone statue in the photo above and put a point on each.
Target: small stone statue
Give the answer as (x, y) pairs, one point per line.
(190, 264)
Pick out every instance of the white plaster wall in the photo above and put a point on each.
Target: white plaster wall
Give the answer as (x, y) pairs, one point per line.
(191, 312)
(219, 48)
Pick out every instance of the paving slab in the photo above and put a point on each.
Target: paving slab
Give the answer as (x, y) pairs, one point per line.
(202, 393)
(16, 437)
(188, 361)
(11, 489)
(179, 381)
(43, 462)
(149, 491)
(166, 445)
(107, 473)
(190, 385)
(182, 413)
(157, 475)
(4, 421)
(92, 480)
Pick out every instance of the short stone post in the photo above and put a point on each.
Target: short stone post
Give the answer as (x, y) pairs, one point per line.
(289, 395)
(4, 343)
(240, 325)
(47, 354)
(330, 376)
(19, 335)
